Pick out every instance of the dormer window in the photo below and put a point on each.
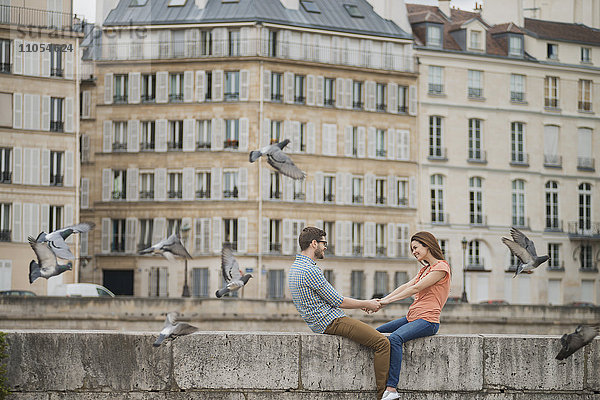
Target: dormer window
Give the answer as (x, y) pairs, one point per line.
(310, 6)
(552, 51)
(515, 46)
(137, 3)
(475, 42)
(434, 36)
(177, 3)
(353, 11)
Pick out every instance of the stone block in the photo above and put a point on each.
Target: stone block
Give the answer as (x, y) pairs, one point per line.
(592, 379)
(335, 363)
(310, 395)
(443, 363)
(237, 360)
(528, 363)
(85, 361)
(28, 396)
(147, 396)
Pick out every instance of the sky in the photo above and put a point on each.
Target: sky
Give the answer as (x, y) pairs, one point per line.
(87, 8)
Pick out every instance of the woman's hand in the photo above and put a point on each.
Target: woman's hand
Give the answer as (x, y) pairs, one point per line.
(384, 302)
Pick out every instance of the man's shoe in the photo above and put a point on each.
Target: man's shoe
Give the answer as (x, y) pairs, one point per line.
(385, 394)
(391, 396)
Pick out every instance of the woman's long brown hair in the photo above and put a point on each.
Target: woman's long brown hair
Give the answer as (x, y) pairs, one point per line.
(429, 241)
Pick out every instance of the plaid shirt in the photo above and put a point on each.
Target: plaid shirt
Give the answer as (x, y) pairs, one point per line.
(315, 299)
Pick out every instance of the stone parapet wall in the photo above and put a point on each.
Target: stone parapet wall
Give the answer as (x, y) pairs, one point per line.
(97, 365)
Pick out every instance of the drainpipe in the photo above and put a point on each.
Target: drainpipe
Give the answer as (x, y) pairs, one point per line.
(260, 203)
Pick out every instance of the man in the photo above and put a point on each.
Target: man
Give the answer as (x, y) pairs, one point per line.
(319, 304)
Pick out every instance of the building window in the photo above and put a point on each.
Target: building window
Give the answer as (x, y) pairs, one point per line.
(357, 229)
(175, 140)
(231, 233)
(176, 88)
(402, 242)
(148, 88)
(200, 282)
(230, 185)
(552, 51)
(475, 201)
(5, 165)
(203, 134)
(551, 157)
(357, 190)
(436, 84)
(475, 85)
(5, 56)
(5, 222)
(276, 92)
(474, 259)
(357, 286)
(208, 86)
(148, 135)
(276, 279)
(299, 96)
(275, 187)
(380, 189)
(175, 185)
(518, 203)
(515, 46)
(434, 36)
(275, 131)
(357, 95)
(517, 88)
(298, 187)
(380, 143)
(552, 222)
(586, 261)
(329, 91)
(146, 185)
(437, 199)
(275, 235)
(206, 42)
(554, 253)
(302, 137)
(146, 226)
(380, 284)
(55, 214)
(585, 207)
(380, 92)
(56, 114)
(475, 152)
(585, 95)
(56, 68)
(435, 137)
(400, 278)
(402, 99)
(586, 55)
(232, 85)
(119, 185)
(178, 42)
(119, 136)
(402, 192)
(475, 40)
(232, 134)
(117, 242)
(272, 43)
(328, 189)
(517, 140)
(585, 159)
(234, 43)
(551, 92)
(158, 282)
(120, 89)
(329, 228)
(380, 240)
(329, 276)
(173, 226)
(203, 185)
(56, 168)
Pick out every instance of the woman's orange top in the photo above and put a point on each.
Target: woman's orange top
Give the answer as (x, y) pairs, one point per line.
(429, 302)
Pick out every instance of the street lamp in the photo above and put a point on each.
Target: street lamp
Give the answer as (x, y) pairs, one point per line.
(185, 231)
(464, 247)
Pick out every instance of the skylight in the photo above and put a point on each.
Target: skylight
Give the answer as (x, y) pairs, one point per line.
(177, 3)
(353, 11)
(310, 6)
(137, 3)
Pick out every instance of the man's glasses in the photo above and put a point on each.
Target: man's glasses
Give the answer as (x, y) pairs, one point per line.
(322, 241)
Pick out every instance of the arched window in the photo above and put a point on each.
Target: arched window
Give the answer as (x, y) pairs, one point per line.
(585, 207)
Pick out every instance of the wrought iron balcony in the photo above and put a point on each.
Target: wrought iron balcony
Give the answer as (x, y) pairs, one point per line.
(584, 106)
(437, 154)
(584, 229)
(202, 145)
(475, 93)
(6, 177)
(176, 97)
(477, 156)
(56, 72)
(231, 194)
(231, 96)
(31, 17)
(380, 107)
(553, 224)
(440, 218)
(5, 67)
(329, 197)
(5, 235)
(380, 152)
(517, 97)
(520, 222)
(203, 194)
(148, 98)
(550, 103)
(585, 164)
(402, 109)
(380, 200)
(120, 98)
(357, 250)
(118, 247)
(56, 126)
(552, 160)
(232, 244)
(329, 102)
(231, 144)
(358, 199)
(174, 146)
(56, 180)
(119, 195)
(276, 97)
(381, 251)
(357, 105)
(147, 194)
(147, 146)
(435, 88)
(175, 194)
(299, 196)
(402, 201)
(275, 247)
(299, 99)
(519, 159)
(119, 147)
(478, 220)
(275, 195)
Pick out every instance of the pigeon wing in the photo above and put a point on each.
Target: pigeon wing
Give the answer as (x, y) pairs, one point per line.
(175, 246)
(46, 258)
(518, 251)
(183, 328)
(229, 265)
(61, 248)
(523, 240)
(284, 164)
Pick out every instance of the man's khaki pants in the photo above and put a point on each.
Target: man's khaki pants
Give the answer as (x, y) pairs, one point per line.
(364, 334)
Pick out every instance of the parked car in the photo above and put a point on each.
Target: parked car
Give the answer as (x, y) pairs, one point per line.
(454, 300)
(16, 293)
(582, 304)
(81, 290)
(496, 302)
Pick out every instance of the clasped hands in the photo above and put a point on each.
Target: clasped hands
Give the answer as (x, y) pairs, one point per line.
(374, 305)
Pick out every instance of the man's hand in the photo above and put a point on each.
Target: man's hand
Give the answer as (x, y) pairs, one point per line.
(372, 305)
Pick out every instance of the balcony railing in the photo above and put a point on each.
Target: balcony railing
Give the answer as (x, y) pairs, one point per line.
(435, 88)
(231, 144)
(403, 201)
(553, 224)
(147, 194)
(30, 17)
(328, 102)
(437, 153)
(440, 218)
(56, 72)
(584, 106)
(519, 159)
(231, 194)
(56, 126)
(275, 247)
(118, 195)
(299, 99)
(357, 105)
(5, 67)
(552, 160)
(402, 109)
(357, 199)
(477, 156)
(299, 196)
(202, 145)
(381, 251)
(176, 97)
(380, 200)
(520, 222)
(277, 97)
(478, 220)
(5, 235)
(120, 98)
(56, 180)
(233, 96)
(203, 194)
(380, 106)
(175, 194)
(329, 197)
(357, 250)
(475, 93)
(550, 103)
(584, 229)
(289, 50)
(6, 177)
(119, 147)
(585, 163)
(147, 146)
(232, 244)
(118, 247)
(276, 195)
(555, 266)
(380, 153)
(174, 146)
(148, 98)
(517, 97)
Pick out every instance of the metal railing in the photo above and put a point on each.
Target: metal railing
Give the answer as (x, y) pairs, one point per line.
(584, 106)
(230, 194)
(119, 147)
(56, 126)
(520, 222)
(147, 194)
(517, 97)
(276, 195)
(56, 180)
(380, 200)
(475, 93)
(478, 220)
(477, 156)
(329, 197)
(175, 194)
(437, 153)
(174, 146)
(6, 177)
(231, 144)
(30, 17)
(5, 235)
(203, 194)
(585, 163)
(118, 195)
(146, 146)
(436, 88)
(519, 158)
(5, 67)
(552, 160)
(357, 199)
(584, 229)
(357, 250)
(202, 145)
(553, 224)
(275, 247)
(381, 251)
(550, 102)
(440, 218)
(299, 196)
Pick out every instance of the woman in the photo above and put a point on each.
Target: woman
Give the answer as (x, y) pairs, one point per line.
(430, 288)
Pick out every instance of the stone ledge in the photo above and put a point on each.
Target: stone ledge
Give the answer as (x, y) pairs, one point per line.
(98, 365)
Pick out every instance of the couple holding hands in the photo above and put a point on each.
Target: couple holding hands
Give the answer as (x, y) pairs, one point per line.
(320, 305)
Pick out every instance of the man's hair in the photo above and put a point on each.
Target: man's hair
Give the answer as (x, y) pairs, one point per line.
(309, 234)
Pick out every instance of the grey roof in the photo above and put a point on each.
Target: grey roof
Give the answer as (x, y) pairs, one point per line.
(333, 15)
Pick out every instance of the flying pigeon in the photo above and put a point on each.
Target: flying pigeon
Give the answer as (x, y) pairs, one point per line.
(582, 336)
(47, 266)
(277, 159)
(169, 248)
(231, 272)
(173, 329)
(524, 250)
(56, 239)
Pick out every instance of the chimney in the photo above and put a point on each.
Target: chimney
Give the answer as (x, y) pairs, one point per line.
(496, 12)
(444, 6)
(393, 10)
(291, 4)
(201, 3)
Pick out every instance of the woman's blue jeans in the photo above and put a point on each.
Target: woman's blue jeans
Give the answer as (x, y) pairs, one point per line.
(401, 331)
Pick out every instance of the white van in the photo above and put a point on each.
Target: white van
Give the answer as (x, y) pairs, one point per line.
(81, 290)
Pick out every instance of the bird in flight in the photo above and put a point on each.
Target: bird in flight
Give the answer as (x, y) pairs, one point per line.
(56, 239)
(231, 273)
(524, 250)
(583, 335)
(169, 248)
(277, 159)
(46, 266)
(173, 329)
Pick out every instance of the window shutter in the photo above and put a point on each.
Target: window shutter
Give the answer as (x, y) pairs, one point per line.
(348, 141)
(69, 64)
(339, 188)
(244, 85)
(132, 184)
(189, 126)
(288, 188)
(370, 239)
(218, 133)
(244, 132)
(161, 135)
(46, 112)
(339, 238)
(85, 148)
(392, 91)
(200, 91)
(412, 184)
(310, 138)
(188, 184)
(133, 136)
(310, 192)
(318, 187)
(45, 64)
(85, 193)
(265, 235)
(17, 218)
(106, 184)
(108, 88)
(265, 139)
(266, 85)
(45, 170)
(106, 231)
(17, 110)
(295, 136)
(36, 111)
(217, 92)
(266, 183)
(361, 141)
(242, 235)
(188, 86)
(215, 183)
(160, 186)
(18, 57)
(243, 177)
(130, 234)
(371, 142)
(17, 165)
(162, 87)
(369, 189)
(84, 244)
(159, 226)
(348, 93)
(403, 143)
(391, 148)
(107, 137)
(370, 96)
(27, 112)
(68, 220)
(216, 234)
(134, 87)
(339, 93)
(287, 237)
(391, 240)
(412, 100)
(34, 168)
(288, 84)
(69, 169)
(310, 90)
(392, 197)
(348, 190)
(319, 89)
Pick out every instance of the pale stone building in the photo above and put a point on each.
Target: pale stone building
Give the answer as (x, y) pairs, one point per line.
(39, 156)
(508, 136)
(182, 91)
